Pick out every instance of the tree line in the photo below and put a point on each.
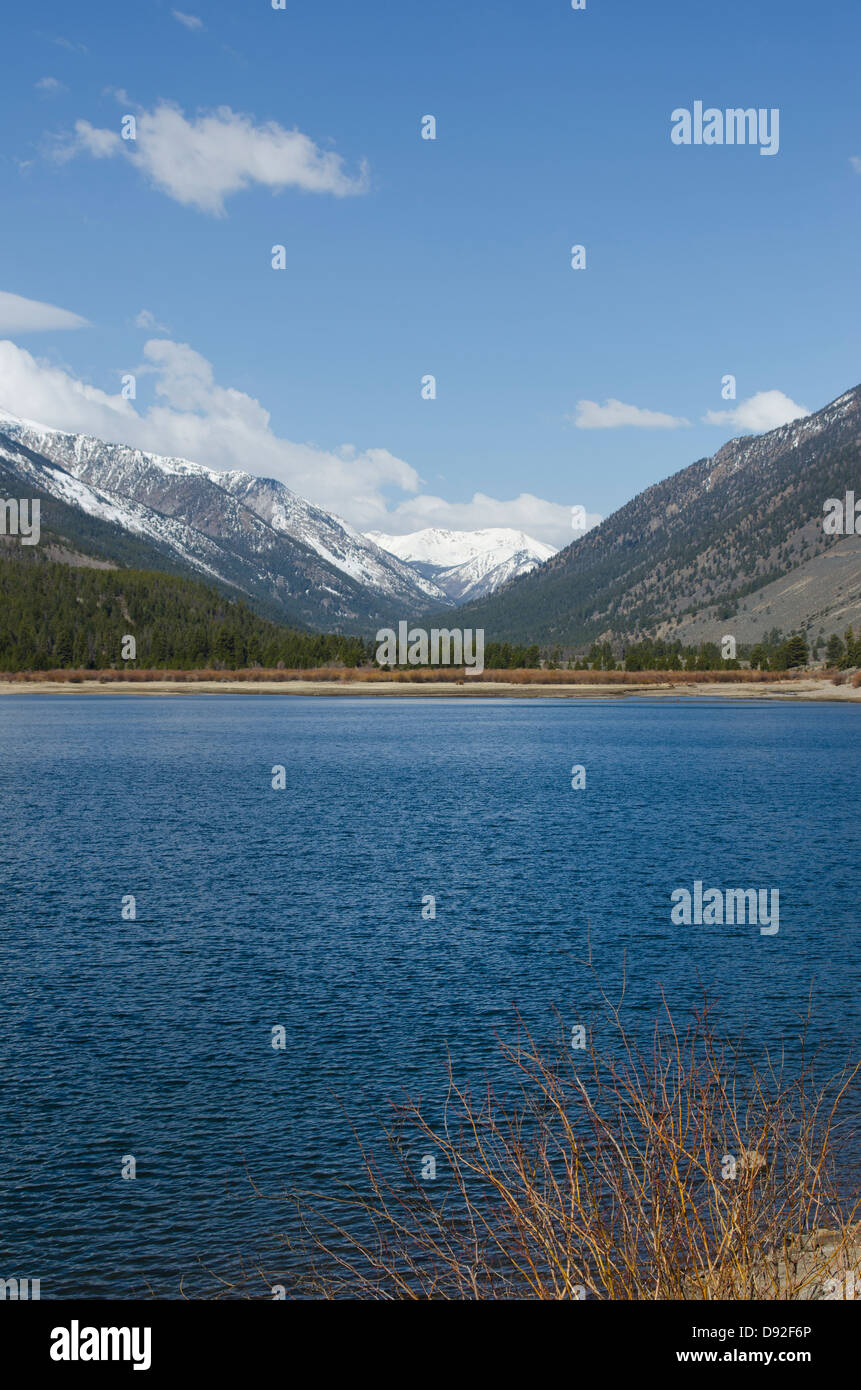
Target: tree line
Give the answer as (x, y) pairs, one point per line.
(774, 653)
(56, 616)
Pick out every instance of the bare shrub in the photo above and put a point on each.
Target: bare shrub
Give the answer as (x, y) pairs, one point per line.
(607, 1177)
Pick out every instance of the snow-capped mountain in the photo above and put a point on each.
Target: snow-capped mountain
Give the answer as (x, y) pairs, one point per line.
(466, 564)
(251, 533)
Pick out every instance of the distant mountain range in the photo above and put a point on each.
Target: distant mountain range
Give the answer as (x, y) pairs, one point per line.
(295, 561)
(732, 544)
(466, 564)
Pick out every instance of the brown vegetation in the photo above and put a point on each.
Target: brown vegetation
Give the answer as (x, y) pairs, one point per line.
(425, 675)
(681, 1171)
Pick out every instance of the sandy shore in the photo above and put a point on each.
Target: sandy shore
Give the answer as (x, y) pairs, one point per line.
(765, 690)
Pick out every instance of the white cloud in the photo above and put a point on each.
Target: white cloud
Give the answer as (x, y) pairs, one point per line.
(19, 315)
(146, 319)
(190, 21)
(855, 162)
(195, 418)
(39, 391)
(225, 429)
(70, 46)
(767, 410)
(49, 84)
(101, 144)
(201, 161)
(616, 415)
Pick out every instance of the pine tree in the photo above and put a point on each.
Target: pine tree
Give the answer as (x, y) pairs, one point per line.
(835, 650)
(794, 651)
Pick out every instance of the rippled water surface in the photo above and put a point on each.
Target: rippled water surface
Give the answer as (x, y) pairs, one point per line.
(302, 908)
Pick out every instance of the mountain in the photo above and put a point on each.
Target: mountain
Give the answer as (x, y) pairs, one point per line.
(466, 564)
(295, 561)
(732, 544)
(56, 615)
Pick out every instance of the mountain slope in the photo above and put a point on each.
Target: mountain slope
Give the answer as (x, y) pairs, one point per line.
(702, 548)
(466, 564)
(250, 533)
(62, 615)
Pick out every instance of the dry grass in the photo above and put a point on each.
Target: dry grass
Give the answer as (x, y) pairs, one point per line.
(600, 1174)
(422, 675)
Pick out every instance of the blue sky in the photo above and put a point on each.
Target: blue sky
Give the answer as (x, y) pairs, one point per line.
(407, 257)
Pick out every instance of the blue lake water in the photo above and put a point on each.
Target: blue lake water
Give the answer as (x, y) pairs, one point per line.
(302, 908)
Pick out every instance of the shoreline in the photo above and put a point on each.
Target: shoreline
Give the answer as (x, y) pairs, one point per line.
(762, 690)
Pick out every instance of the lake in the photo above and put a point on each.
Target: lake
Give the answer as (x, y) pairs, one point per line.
(301, 908)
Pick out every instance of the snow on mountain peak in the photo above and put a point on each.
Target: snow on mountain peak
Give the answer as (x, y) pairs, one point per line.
(437, 546)
(234, 509)
(466, 564)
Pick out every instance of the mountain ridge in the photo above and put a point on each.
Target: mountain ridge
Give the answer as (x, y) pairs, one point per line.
(694, 549)
(250, 533)
(731, 543)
